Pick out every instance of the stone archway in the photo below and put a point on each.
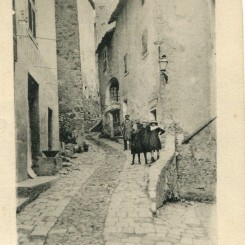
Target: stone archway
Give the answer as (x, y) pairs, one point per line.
(112, 91)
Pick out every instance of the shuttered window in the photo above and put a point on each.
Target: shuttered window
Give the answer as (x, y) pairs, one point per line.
(32, 17)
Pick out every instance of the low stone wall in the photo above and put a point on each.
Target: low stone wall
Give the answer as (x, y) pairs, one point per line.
(184, 171)
(196, 166)
(162, 176)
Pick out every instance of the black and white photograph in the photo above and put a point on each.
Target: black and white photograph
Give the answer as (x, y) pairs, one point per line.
(115, 122)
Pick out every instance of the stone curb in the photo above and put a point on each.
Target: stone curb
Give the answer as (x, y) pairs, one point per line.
(157, 175)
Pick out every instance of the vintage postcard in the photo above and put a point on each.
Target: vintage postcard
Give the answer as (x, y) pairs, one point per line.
(122, 122)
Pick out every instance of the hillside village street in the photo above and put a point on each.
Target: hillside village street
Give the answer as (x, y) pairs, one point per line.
(103, 200)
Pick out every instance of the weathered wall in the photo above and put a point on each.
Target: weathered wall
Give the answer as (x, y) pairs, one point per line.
(140, 84)
(69, 66)
(190, 68)
(78, 87)
(162, 178)
(86, 19)
(103, 10)
(105, 79)
(188, 98)
(196, 166)
(190, 51)
(33, 59)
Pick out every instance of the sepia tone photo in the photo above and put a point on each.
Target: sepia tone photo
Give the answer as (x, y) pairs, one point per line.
(115, 117)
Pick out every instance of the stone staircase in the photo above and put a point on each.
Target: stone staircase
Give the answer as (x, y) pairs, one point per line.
(30, 189)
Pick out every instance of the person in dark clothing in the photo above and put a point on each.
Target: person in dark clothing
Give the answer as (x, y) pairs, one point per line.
(126, 128)
(144, 135)
(154, 140)
(135, 142)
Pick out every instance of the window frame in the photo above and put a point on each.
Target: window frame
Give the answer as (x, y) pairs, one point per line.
(114, 92)
(32, 19)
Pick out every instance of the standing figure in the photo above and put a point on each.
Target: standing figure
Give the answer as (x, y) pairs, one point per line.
(135, 141)
(154, 140)
(126, 131)
(144, 135)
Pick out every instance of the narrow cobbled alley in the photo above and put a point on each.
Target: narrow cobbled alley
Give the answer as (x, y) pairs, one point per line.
(103, 200)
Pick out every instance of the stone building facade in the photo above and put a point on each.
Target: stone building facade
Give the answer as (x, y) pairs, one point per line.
(35, 80)
(182, 99)
(77, 73)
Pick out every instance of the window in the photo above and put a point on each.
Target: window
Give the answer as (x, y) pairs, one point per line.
(104, 57)
(114, 91)
(125, 58)
(32, 17)
(144, 42)
(14, 31)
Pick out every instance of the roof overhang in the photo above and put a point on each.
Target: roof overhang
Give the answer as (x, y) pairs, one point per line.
(108, 35)
(117, 11)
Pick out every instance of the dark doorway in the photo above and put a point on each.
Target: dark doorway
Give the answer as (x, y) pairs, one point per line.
(116, 122)
(50, 129)
(33, 99)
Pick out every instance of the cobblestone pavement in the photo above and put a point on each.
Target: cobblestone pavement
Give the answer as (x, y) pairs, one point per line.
(74, 209)
(129, 220)
(106, 203)
(189, 223)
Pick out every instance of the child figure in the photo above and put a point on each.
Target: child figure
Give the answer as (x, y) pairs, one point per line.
(154, 140)
(144, 135)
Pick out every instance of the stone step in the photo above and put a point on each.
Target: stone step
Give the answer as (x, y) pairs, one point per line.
(30, 189)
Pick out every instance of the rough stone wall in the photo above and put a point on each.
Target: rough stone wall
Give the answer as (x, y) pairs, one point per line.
(167, 186)
(162, 178)
(86, 18)
(91, 113)
(69, 68)
(78, 87)
(35, 58)
(196, 166)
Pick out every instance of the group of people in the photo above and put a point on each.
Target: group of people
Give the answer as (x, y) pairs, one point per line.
(143, 137)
